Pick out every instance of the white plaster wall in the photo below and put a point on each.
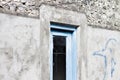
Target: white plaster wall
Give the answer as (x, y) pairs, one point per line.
(103, 54)
(20, 56)
(19, 48)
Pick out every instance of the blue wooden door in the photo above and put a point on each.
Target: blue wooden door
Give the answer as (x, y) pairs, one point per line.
(70, 60)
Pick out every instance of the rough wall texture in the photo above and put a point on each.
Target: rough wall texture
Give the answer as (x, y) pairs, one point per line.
(19, 48)
(103, 54)
(20, 56)
(102, 13)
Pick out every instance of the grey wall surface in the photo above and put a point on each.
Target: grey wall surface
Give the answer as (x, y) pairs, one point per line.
(20, 55)
(103, 54)
(19, 48)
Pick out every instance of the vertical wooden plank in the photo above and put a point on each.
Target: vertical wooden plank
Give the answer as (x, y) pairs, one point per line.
(68, 58)
(51, 57)
(74, 56)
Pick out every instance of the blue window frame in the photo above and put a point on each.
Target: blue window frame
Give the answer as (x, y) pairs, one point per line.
(71, 59)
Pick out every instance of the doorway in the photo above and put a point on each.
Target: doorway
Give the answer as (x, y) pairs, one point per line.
(63, 62)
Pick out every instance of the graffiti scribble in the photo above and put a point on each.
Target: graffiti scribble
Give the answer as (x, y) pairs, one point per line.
(109, 61)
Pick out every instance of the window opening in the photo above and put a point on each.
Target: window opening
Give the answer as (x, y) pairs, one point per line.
(59, 58)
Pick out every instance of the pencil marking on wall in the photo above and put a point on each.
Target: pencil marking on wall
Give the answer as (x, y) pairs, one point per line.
(107, 55)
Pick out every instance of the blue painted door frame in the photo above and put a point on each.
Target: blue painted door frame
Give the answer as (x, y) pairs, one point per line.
(71, 56)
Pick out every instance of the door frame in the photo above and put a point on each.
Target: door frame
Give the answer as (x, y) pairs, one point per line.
(78, 20)
(70, 34)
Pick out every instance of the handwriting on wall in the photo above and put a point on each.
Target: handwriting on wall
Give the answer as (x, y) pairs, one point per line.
(106, 53)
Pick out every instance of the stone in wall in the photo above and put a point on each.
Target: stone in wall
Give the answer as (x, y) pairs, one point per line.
(20, 7)
(102, 13)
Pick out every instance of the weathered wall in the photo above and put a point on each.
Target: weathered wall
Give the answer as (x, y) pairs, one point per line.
(102, 13)
(20, 56)
(19, 48)
(103, 54)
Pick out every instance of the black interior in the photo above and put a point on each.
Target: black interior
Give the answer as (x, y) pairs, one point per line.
(59, 58)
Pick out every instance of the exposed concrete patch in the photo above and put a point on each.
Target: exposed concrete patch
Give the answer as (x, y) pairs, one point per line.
(103, 13)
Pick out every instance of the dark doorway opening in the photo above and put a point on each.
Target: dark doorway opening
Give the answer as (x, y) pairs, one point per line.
(59, 58)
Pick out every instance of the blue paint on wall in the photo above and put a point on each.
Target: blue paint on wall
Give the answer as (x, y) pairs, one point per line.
(102, 53)
(113, 63)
